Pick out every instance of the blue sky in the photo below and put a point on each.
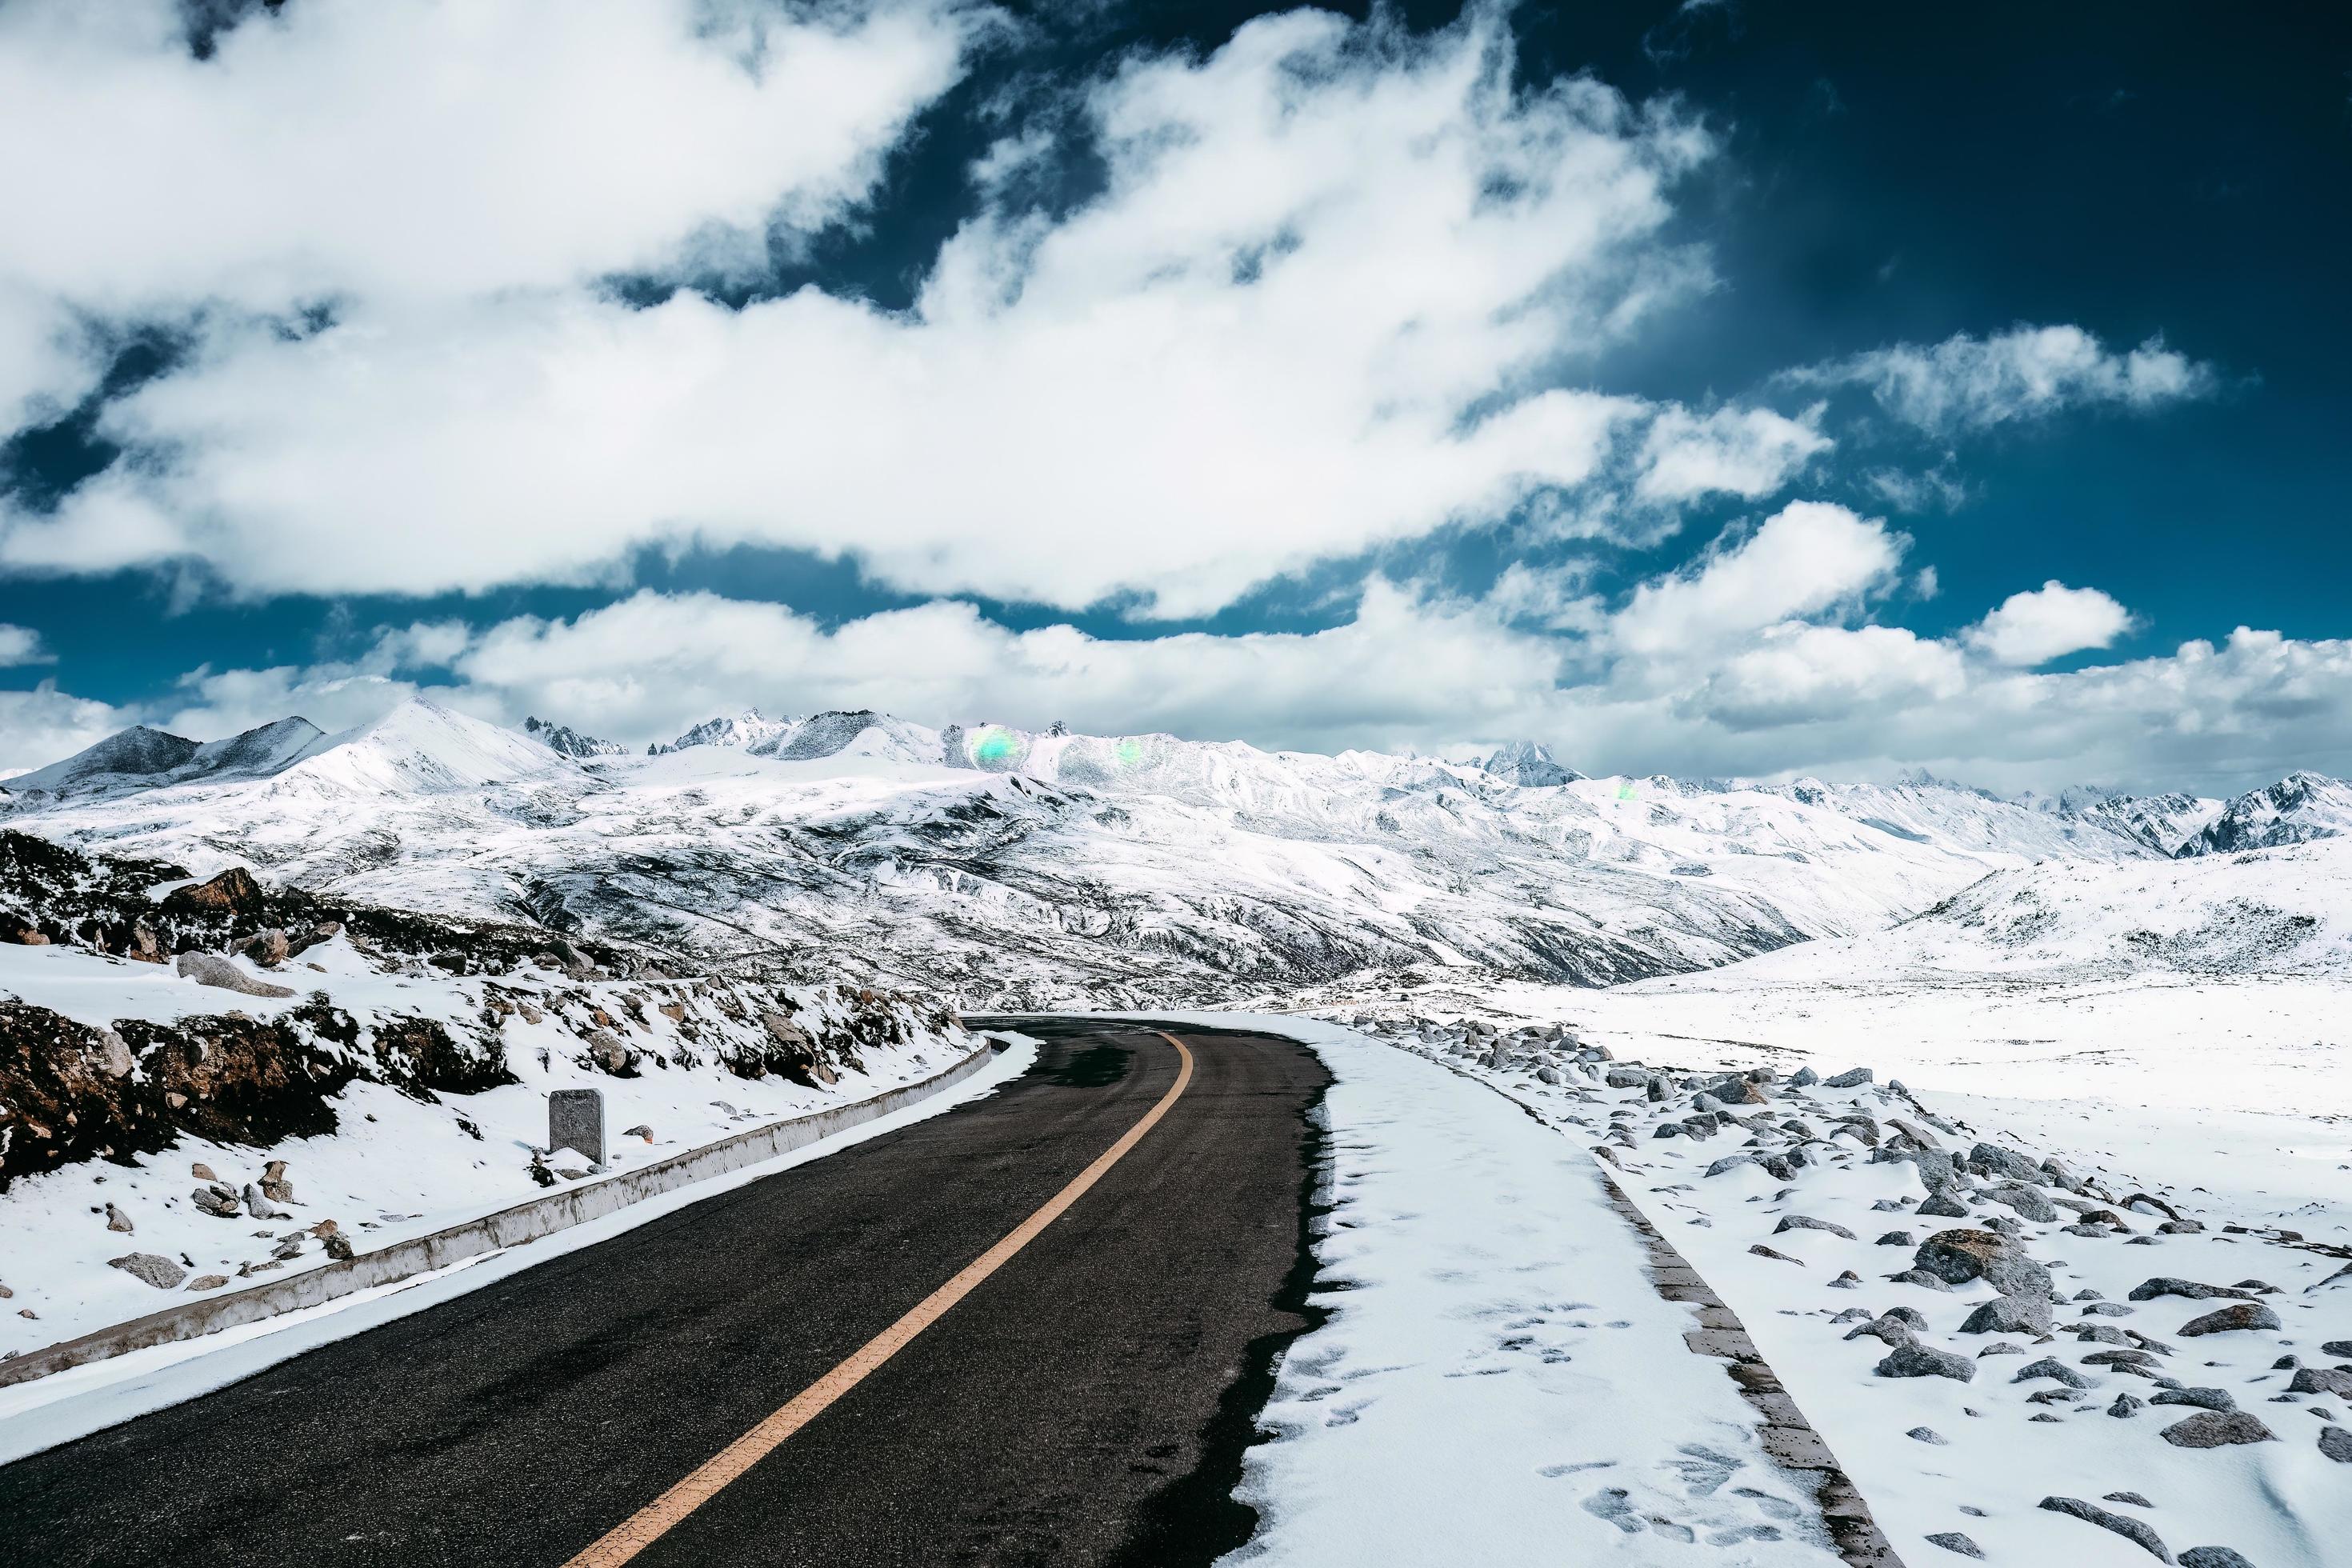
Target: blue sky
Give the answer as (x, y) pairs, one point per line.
(1713, 388)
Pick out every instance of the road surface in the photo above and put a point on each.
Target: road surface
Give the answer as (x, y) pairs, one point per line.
(1085, 1403)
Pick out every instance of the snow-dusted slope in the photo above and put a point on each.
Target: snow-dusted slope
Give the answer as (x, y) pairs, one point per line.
(2298, 808)
(1012, 867)
(141, 758)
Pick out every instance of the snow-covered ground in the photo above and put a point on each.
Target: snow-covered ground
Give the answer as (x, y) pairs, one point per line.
(1498, 1381)
(395, 1165)
(1933, 1456)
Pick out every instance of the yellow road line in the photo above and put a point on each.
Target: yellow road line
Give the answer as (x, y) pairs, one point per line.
(650, 1523)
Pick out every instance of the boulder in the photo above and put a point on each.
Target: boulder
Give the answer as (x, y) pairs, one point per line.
(2052, 1368)
(2217, 1428)
(1803, 1078)
(1953, 1540)
(2238, 1316)
(1912, 1359)
(2008, 1315)
(1853, 1077)
(2188, 1289)
(149, 1268)
(1939, 1206)
(212, 969)
(2131, 1529)
(116, 1220)
(1959, 1256)
(2202, 1398)
(1992, 1160)
(2212, 1557)
(2336, 1443)
(1807, 1222)
(2322, 1380)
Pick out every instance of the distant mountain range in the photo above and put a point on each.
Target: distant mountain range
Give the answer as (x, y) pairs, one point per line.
(1020, 868)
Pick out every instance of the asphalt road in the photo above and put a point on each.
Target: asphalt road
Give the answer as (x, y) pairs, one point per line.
(1086, 1403)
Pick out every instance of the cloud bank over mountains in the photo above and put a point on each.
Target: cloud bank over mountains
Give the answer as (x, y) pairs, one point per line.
(1330, 297)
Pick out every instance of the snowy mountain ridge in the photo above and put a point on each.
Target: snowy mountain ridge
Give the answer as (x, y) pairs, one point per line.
(1018, 868)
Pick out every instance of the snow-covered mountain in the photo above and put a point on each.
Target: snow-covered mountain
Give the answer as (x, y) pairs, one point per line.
(1528, 764)
(2298, 808)
(1013, 866)
(563, 738)
(745, 729)
(142, 758)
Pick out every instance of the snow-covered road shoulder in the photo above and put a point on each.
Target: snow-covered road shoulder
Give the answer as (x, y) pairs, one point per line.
(1497, 1379)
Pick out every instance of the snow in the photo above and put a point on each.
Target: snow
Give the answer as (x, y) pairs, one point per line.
(1498, 1381)
(395, 1167)
(2156, 1129)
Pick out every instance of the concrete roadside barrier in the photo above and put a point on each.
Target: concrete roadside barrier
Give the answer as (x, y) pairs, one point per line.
(524, 1222)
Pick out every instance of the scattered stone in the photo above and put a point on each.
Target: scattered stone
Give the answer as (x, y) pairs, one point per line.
(2106, 1310)
(1730, 1162)
(2216, 1428)
(2008, 1315)
(1849, 1280)
(1761, 1250)
(2337, 1348)
(1895, 1239)
(217, 1201)
(2321, 1380)
(1915, 1359)
(1806, 1222)
(1994, 1159)
(1853, 1077)
(1958, 1257)
(2336, 1443)
(2132, 1498)
(2125, 1406)
(1919, 1276)
(2212, 1557)
(2131, 1529)
(212, 969)
(2243, 1315)
(2119, 1358)
(149, 1268)
(1953, 1540)
(274, 1184)
(2052, 1367)
(1803, 1078)
(260, 1206)
(202, 1172)
(1940, 1206)
(1928, 1434)
(208, 1283)
(2149, 1290)
(116, 1220)
(2204, 1398)
(338, 1247)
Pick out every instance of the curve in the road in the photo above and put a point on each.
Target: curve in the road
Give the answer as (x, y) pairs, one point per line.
(648, 1524)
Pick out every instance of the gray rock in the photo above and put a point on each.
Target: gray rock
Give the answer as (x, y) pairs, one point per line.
(2126, 1406)
(1730, 1162)
(1806, 1222)
(2336, 1443)
(217, 1200)
(2106, 1310)
(2203, 1398)
(1853, 1077)
(2149, 1290)
(149, 1268)
(2118, 1357)
(1895, 1239)
(257, 1205)
(2029, 1203)
(1804, 1077)
(2337, 1348)
(1939, 1206)
(1953, 1540)
(1915, 1359)
(2008, 1315)
(2132, 1498)
(1918, 1276)
(2131, 1529)
(1627, 1077)
(2241, 1315)
(1761, 1250)
(2322, 1380)
(1928, 1434)
(1958, 1257)
(1994, 1159)
(117, 1221)
(2217, 1428)
(212, 969)
(2052, 1367)
(2212, 1557)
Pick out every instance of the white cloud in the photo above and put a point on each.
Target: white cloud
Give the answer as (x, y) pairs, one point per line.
(2049, 623)
(2026, 373)
(1808, 558)
(22, 644)
(1312, 312)
(39, 726)
(404, 148)
(1745, 452)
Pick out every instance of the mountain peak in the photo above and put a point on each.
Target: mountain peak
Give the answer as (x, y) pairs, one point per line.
(1528, 764)
(563, 738)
